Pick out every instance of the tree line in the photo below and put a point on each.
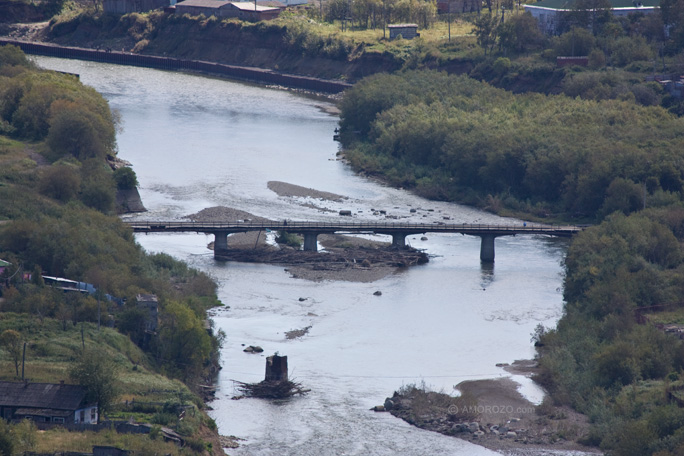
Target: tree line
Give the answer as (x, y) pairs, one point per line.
(609, 356)
(57, 202)
(455, 138)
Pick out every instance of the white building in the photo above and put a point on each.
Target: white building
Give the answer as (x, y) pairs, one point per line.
(549, 13)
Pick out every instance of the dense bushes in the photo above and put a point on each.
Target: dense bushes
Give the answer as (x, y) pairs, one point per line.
(448, 136)
(57, 223)
(606, 357)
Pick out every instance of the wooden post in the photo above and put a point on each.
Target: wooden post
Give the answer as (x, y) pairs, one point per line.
(23, 361)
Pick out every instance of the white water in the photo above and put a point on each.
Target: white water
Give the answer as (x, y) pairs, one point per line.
(196, 142)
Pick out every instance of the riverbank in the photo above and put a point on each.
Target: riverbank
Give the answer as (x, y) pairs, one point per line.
(494, 414)
(264, 76)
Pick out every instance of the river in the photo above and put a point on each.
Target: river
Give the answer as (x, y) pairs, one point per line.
(197, 142)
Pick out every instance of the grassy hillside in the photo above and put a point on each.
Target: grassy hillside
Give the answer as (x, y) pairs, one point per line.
(57, 218)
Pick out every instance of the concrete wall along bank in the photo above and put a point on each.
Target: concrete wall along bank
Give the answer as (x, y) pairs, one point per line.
(169, 63)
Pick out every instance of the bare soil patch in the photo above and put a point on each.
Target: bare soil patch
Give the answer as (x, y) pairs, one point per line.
(291, 190)
(494, 414)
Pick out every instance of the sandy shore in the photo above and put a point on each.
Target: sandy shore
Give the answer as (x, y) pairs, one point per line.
(494, 414)
(285, 189)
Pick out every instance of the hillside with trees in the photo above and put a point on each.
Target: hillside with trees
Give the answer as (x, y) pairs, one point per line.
(501, 44)
(454, 138)
(58, 218)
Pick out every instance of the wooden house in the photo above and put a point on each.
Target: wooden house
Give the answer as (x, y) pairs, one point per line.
(551, 15)
(46, 403)
(246, 11)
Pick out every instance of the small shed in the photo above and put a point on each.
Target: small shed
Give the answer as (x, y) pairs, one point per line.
(406, 31)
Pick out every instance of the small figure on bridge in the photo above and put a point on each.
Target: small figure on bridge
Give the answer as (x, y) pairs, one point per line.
(284, 222)
(524, 223)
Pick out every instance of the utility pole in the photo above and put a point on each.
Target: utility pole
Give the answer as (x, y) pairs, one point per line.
(449, 18)
(23, 361)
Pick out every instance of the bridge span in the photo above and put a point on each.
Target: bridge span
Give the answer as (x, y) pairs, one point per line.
(311, 230)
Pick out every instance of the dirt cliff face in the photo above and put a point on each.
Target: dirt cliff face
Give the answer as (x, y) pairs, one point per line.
(262, 45)
(19, 12)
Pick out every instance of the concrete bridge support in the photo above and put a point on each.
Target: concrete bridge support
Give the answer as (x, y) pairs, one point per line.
(220, 241)
(487, 248)
(399, 239)
(311, 242)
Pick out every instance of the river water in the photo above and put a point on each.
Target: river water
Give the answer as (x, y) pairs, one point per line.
(197, 142)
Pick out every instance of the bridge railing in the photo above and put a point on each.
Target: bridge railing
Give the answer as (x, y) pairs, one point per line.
(342, 226)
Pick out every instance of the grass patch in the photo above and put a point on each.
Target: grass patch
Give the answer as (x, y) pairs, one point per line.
(61, 440)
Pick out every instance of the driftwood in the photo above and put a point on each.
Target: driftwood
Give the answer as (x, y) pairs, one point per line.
(271, 389)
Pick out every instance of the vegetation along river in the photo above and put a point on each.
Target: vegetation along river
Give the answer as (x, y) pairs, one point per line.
(198, 142)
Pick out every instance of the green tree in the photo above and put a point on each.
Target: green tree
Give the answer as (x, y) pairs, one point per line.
(75, 130)
(184, 344)
(486, 31)
(520, 33)
(97, 372)
(12, 55)
(6, 439)
(12, 341)
(672, 13)
(125, 178)
(24, 434)
(61, 182)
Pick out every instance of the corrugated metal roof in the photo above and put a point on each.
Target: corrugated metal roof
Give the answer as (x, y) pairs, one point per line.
(204, 3)
(249, 6)
(570, 4)
(41, 395)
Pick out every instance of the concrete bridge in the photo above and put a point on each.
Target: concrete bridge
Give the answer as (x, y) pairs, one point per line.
(311, 230)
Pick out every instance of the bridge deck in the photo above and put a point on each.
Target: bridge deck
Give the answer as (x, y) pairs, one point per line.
(351, 227)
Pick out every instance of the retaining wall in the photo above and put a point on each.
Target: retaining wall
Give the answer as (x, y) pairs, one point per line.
(170, 63)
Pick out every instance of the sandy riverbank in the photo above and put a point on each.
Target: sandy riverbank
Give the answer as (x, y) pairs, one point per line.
(493, 413)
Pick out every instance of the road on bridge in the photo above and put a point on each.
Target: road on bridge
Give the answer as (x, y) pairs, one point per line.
(310, 230)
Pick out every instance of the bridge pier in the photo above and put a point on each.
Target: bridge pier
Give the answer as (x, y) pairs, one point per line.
(399, 239)
(311, 242)
(487, 248)
(220, 241)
